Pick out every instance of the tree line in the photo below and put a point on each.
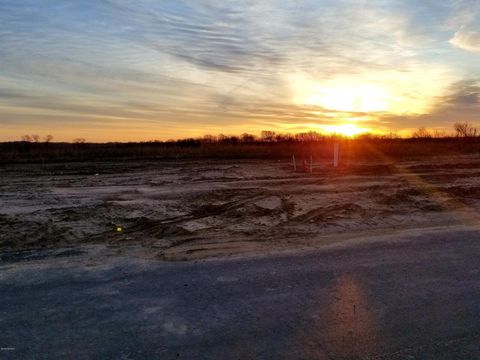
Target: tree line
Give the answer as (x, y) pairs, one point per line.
(461, 130)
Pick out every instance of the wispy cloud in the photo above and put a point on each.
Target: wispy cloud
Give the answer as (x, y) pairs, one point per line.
(460, 103)
(467, 40)
(179, 68)
(466, 22)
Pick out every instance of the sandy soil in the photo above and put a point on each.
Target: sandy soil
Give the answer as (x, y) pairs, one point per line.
(185, 210)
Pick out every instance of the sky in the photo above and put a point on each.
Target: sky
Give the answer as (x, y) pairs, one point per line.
(121, 70)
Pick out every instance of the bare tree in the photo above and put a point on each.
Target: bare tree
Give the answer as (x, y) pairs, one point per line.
(79, 141)
(391, 135)
(438, 134)
(284, 137)
(48, 138)
(465, 129)
(222, 138)
(36, 138)
(27, 138)
(421, 133)
(248, 138)
(209, 139)
(267, 135)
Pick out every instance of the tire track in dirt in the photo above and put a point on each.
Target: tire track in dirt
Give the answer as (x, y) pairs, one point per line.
(190, 209)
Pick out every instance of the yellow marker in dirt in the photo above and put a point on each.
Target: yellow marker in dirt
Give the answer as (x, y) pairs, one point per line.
(119, 229)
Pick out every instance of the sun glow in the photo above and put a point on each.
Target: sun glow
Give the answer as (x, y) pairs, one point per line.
(413, 91)
(345, 129)
(348, 95)
(363, 98)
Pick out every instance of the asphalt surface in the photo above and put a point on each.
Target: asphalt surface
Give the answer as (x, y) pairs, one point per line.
(413, 297)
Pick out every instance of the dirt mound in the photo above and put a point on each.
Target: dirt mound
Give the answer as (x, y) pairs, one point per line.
(332, 212)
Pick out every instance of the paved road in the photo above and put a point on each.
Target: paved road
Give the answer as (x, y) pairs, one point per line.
(417, 297)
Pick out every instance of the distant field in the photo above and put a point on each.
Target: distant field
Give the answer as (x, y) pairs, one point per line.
(351, 149)
(199, 208)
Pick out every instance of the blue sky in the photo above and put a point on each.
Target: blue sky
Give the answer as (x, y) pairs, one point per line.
(142, 70)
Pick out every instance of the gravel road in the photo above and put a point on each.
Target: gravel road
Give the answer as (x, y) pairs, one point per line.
(415, 296)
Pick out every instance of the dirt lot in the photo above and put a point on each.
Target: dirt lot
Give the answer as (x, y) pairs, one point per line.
(186, 210)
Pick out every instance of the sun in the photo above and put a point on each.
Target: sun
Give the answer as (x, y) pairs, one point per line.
(365, 98)
(345, 129)
(348, 95)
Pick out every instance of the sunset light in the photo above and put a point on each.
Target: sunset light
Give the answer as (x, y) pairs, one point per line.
(348, 130)
(347, 97)
(259, 179)
(173, 69)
